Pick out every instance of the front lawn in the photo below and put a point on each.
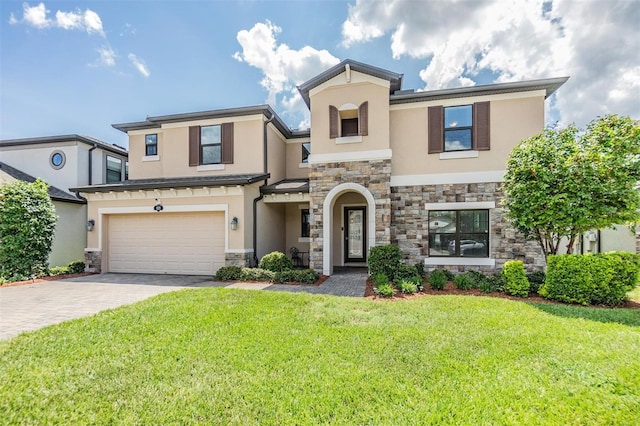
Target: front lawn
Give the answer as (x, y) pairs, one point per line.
(219, 356)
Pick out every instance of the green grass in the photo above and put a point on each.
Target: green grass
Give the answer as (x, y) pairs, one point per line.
(219, 356)
(635, 294)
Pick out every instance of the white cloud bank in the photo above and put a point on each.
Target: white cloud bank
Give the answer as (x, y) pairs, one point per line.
(87, 21)
(283, 68)
(596, 43)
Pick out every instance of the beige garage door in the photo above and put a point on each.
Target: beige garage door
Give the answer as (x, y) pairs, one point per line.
(166, 243)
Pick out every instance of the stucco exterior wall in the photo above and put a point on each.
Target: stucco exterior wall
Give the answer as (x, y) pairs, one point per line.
(276, 155)
(295, 168)
(512, 120)
(270, 231)
(293, 228)
(173, 150)
(70, 235)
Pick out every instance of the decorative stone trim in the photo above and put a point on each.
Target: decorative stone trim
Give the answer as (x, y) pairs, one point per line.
(410, 230)
(93, 260)
(238, 259)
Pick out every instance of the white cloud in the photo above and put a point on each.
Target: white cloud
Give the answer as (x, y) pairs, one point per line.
(139, 65)
(283, 68)
(36, 16)
(107, 56)
(517, 40)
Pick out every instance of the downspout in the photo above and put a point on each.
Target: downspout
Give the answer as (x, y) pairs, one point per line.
(261, 196)
(90, 166)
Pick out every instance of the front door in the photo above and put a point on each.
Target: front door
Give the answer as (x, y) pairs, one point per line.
(354, 234)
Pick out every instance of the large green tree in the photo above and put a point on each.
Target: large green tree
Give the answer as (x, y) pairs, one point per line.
(564, 181)
(27, 225)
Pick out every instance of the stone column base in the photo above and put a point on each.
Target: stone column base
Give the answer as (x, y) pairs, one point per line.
(93, 260)
(238, 259)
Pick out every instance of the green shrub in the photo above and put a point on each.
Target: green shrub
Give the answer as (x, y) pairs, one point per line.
(477, 278)
(305, 276)
(229, 273)
(27, 224)
(536, 279)
(602, 278)
(450, 275)
(257, 274)
(405, 273)
(275, 261)
(492, 283)
(437, 279)
(380, 279)
(463, 281)
(408, 287)
(58, 270)
(515, 278)
(76, 267)
(385, 259)
(419, 269)
(384, 290)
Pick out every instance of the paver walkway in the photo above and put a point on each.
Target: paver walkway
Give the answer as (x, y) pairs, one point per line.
(32, 306)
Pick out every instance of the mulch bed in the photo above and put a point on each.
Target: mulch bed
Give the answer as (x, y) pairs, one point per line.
(450, 289)
(45, 279)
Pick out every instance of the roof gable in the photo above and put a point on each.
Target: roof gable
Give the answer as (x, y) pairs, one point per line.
(55, 193)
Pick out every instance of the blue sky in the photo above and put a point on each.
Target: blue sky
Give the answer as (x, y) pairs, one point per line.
(77, 67)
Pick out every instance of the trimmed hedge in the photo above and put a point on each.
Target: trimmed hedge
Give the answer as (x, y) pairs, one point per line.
(276, 261)
(591, 279)
(257, 274)
(229, 273)
(384, 259)
(515, 278)
(305, 276)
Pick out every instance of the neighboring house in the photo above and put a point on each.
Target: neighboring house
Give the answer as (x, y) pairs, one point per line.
(379, 165)
(63, 162)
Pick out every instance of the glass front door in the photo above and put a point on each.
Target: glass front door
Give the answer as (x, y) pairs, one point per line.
(354, 234)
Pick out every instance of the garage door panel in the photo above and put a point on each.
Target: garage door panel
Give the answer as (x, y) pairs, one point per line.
(171, 243)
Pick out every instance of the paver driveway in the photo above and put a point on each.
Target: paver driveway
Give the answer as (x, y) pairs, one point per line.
(33, 306)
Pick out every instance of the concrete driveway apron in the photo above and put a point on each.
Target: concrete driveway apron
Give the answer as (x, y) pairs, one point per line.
(33, 306)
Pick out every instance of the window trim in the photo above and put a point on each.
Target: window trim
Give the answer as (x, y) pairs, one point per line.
(446, 129)
(305, 158)
(203, 145)
(154, 145)
(62, 163)
(106, 168)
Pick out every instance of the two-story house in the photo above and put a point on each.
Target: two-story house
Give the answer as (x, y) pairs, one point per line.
(63, 162)
(379, 165)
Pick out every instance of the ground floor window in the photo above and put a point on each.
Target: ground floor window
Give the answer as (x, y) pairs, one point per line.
(459, 233)
(304, 222)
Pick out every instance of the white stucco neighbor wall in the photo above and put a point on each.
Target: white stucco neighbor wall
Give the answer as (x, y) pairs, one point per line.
(70, 235)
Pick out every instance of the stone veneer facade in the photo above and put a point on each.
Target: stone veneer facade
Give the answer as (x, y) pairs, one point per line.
(410, 224)
(375, 175)
(93, 261)
(238, 259)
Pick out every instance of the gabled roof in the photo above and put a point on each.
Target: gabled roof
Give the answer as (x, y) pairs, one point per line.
(549, 85)
(66, 138)
(168, 183)
(55, 193)
(157, 121)
(394, 79)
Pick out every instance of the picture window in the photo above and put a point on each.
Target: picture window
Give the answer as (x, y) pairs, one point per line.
(459, 233)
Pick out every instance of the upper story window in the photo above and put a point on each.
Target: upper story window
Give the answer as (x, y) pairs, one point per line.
(57, 160)
(306, 151)
(459, 233)
(151, 145)
(211, 144)
(114, 169)
(458, 124)
(459, 128)
(349, 120)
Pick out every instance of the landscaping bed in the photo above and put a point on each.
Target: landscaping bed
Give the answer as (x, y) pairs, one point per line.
(47, 278)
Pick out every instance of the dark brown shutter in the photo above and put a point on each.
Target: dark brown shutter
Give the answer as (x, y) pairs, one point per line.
(363, 119)
(334, 122)
(194, 146)
(436, 142)
(481, 131)
(227, 143)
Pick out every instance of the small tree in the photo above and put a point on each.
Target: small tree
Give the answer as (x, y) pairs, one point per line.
(27, 225)
(564, 182)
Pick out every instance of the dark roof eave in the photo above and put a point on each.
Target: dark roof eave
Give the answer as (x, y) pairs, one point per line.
(272, 189)
(66, 138)
(135, 185)
(550, 85)
(394, 79)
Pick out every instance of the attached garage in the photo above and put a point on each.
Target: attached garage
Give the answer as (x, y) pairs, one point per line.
(167, 243)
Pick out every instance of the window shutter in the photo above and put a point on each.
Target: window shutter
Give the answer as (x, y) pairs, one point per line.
(334, 122)
(481, 131)
(363, 119)
(194, 146)
(227, 143)
(436, 142)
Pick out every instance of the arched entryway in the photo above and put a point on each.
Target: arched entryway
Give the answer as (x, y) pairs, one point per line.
(347, 204)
